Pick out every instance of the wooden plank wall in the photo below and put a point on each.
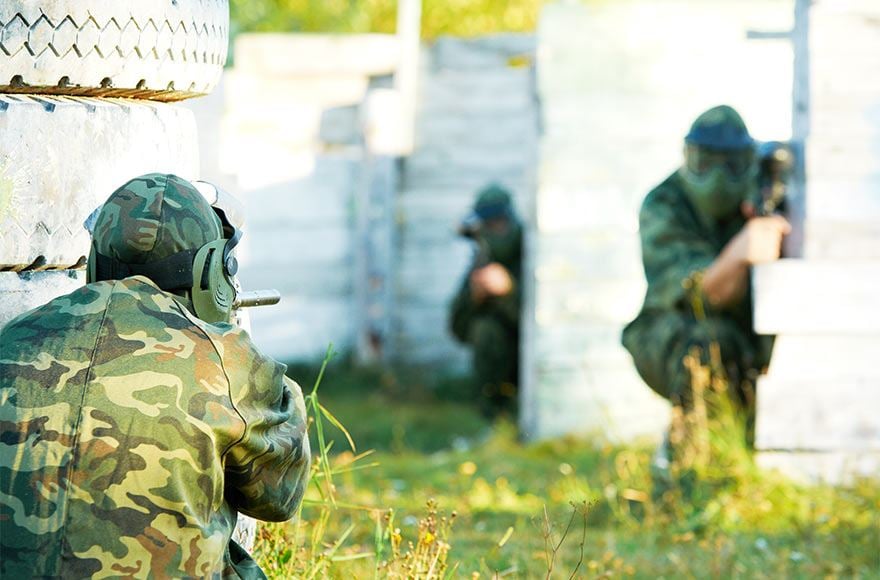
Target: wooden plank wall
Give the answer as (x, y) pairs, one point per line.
(817, 407)
(477, 122)
(284, 135)
(290, 142)
(843, 150)
(620, 84)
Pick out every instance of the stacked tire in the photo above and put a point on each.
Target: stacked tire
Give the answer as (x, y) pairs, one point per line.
(83, 92)
(85, 87)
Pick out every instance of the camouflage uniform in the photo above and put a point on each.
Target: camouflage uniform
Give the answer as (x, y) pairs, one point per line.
(677, 246)
(132, 431)
(685, 223)
(491, 328)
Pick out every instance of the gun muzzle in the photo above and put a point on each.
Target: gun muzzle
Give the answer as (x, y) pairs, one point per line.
(257, 298)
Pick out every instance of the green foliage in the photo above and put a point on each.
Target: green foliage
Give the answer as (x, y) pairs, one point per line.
(440, 17)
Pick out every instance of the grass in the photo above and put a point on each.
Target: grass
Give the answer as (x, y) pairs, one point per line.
(513, 502)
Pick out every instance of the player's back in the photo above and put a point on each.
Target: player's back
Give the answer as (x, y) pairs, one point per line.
(115, 415)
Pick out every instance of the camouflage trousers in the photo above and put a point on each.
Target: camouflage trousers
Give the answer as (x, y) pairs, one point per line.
(661, 344)
(496, 364)
(663, 347)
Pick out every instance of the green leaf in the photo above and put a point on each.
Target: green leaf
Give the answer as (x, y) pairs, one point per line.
(338, 425)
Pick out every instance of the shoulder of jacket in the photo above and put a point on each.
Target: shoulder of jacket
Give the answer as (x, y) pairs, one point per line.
(84, 300)
(669, 192)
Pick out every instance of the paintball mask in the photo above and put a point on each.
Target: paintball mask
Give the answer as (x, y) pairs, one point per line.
(720, 169)
(493, 225)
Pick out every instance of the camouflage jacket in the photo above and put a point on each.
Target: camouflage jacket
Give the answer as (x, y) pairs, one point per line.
(677, 244)
(131, 433)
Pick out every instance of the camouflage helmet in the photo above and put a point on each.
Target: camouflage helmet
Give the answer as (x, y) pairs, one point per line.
(493, 201)
(720, 128)
(153, 217)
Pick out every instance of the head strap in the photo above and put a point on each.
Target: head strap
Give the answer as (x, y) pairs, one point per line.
(171, 273)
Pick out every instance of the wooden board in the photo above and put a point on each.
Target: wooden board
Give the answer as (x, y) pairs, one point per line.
(842, 241)
(612, 404)
(589, 302)
(618, 94)
(301, 327)
(316, 54)
(834, 468)
(813, 415)
(817, 297)
(828, 359)
(477, 124)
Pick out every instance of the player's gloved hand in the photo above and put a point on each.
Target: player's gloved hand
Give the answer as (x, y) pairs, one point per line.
(492, 280)
(760, 241)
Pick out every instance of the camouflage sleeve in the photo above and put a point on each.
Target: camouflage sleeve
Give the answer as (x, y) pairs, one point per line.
(672, 254)
(267, 469)
(462, 311)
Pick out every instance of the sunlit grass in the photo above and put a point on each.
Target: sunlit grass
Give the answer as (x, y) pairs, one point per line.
(513, 503)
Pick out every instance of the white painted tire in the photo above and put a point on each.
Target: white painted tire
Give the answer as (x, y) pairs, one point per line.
(60, 157)
(20, 292)
(164, 50)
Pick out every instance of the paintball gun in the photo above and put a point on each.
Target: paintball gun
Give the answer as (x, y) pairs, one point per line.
(776, 161)
(472, 229)
(256, 298)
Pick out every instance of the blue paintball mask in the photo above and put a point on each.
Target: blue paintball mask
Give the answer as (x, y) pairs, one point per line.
(720, 169)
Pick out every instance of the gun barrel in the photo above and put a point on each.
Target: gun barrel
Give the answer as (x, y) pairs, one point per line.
(257, 298)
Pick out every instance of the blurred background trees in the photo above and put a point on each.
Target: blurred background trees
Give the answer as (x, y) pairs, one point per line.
(440, 17)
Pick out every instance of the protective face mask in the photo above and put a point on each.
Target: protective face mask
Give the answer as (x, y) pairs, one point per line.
(716, 193)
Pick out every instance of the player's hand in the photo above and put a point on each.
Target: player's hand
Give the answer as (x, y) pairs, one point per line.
(760, 241)
(490, 281)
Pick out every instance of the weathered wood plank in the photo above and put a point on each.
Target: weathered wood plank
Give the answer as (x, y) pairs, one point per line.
(299, 205)
(594, 346)
(505, 90)
(817, 297)
(850, 200)
(490, 52)
(842, 241)
(469, 177)
(828, 359)
(600, 205)
(596, 301)
(317, 54)
(833, 468)
(454, 158)
(846, 157)
(301, 327)
(596, 165)
(814, 415)
(588, 255)
(496, 128)
(262, 93)
(612, 404)
(477, 124)
(282, 247)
